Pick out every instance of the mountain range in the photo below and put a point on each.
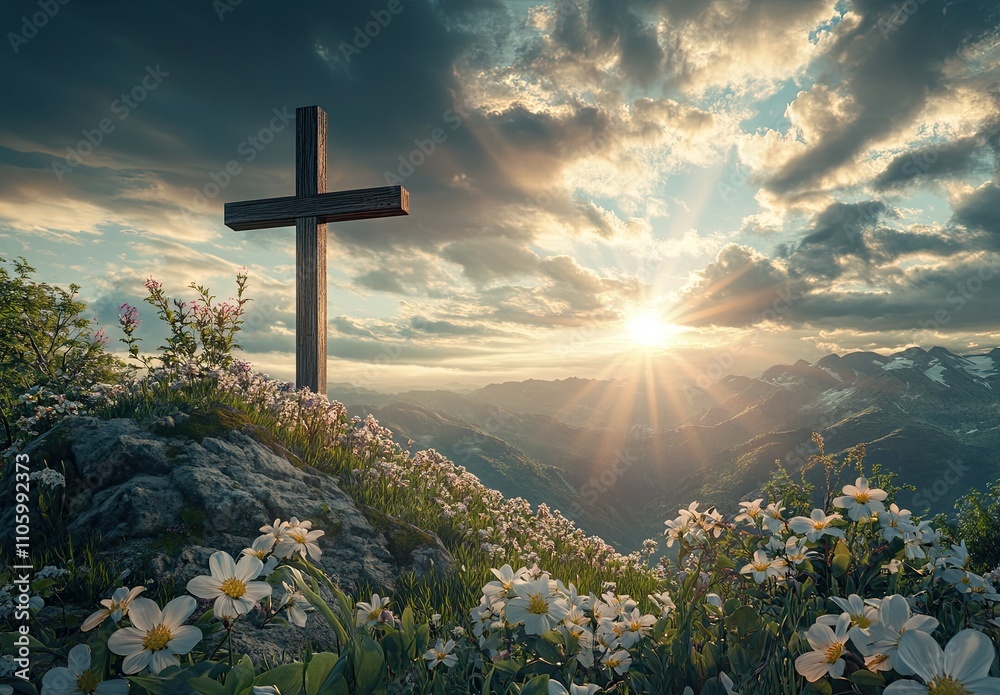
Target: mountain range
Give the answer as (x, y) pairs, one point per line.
(621, 456)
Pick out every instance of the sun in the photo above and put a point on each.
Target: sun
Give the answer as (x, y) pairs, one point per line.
(648, 329)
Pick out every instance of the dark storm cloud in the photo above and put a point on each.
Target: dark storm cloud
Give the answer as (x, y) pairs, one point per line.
(734, 290)
(845, 241)
(929, 163)
(890, 64)
(836, 241)
(981, 211)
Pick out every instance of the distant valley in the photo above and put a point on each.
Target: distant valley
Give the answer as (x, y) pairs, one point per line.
(620, 457)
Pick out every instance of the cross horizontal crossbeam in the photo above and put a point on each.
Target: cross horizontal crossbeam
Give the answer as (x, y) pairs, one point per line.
(339, 206)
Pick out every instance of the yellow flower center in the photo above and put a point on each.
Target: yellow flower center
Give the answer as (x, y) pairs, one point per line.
(877, 660)
(537, 605)
(87, 681)
(297, 536)
(613, 662)
(233, 587)
(761, 566)
(834, 651)
(946, 686)
(862, 621)
(861, 497)
(157, 638)
(819, 525)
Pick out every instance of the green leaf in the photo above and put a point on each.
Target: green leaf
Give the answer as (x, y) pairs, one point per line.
(508, 666)
(207, 686)
(724, 562)
(287, 678)
(539, 685)
(407, 622)
(547, 651)
(743, 621)
(319, 669)
(840, 564)
(486, 682)
(863, 677)
(241, 677)
(369, 665)
(152, 684)
(821, 687)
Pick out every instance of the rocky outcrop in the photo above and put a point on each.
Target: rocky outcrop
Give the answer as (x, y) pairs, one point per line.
(164, 496)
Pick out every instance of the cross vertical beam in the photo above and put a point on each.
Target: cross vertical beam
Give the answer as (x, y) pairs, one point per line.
(310, 252)
(310, 210)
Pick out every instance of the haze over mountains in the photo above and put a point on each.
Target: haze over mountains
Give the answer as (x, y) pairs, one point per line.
(621, 456)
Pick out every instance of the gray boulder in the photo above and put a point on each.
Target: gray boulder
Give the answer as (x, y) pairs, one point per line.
(165, 495)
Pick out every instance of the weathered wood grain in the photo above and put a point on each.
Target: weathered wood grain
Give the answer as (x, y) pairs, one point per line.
(340, 206)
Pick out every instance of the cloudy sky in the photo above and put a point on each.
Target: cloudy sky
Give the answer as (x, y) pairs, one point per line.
(616, 186)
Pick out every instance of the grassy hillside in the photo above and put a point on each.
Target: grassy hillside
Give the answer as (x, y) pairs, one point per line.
(857, 597)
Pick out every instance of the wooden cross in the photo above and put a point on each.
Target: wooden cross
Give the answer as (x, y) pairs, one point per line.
(310, 209)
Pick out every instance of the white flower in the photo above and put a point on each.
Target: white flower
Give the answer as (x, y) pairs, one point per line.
(635, 626)
(816, 525)
(727, 683)
(772, 516)
(861, 616)
(894, 619)
(683, 528)
(261, 547)
(299, 539)
(762, 567)
(796, 551)
(961, 668)
(536, 606)
(79, 678)
(664, 603)
(441, 654)
(116, 607)
(861, 501)
(828, 648)
(155, 637)
(230, 584)
(368, 613)
(506, 578)
(619, 661)
(295, 604)
(752, 514)
(895, 523)
(49, 479)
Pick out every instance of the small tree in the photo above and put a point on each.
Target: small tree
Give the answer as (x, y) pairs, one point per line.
(46, 342)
